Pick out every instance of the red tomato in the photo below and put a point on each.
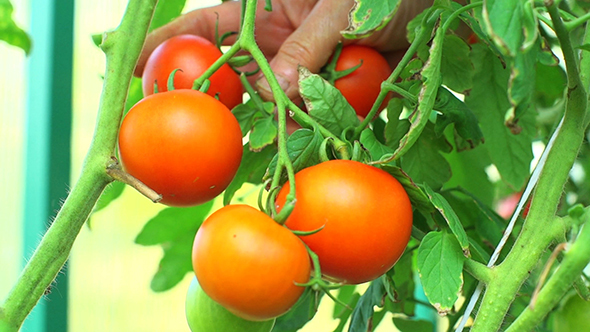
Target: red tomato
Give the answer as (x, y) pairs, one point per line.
(249, 264)
(193, 55)
(366, 214)
(184, 144)
(362, 86)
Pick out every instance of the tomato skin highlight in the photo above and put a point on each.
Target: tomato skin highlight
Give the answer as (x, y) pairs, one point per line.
(193, 55)
(366, 214)
(184, 144)
(205, 315)
(362, 86)
(250, 264)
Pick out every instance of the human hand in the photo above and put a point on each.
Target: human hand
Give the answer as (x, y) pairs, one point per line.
(295, 32)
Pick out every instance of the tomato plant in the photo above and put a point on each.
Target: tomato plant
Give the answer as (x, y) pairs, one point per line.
(205, 315)
(458, 137)
(365, 214)
(248, 263)
(184, 144)
(192, 55)
(361, 87)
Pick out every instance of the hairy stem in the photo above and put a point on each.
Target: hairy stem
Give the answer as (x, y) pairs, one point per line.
(570, 269)
(539, 230)
(122, 48)
(479, 271)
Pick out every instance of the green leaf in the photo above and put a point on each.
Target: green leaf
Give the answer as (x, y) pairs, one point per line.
(325, 103)
(489, 226)
(440, 264)
(469, 173)
(521, 86)
(550, 84)
(368, 16)
(248, 112)
(112, 192)
(432, 81)
(347, 294)
(302, 147)
(445, 209)
(488, 99)
(166, 11)
(424, 163)
(530, 25)
(370, 142)
(301, 313)
(395, 128)
(504, 23)
(418, 198)
(402, 277)
(479, 253)
(363, 312)
(474, 25)
(245, 114)
(264, 132)
(252, 169)
(9, 31)
(174, 229)
(175, 264)
(455, 111)
(411, 69)
(456, 68)
(412, 325)
(173, 223)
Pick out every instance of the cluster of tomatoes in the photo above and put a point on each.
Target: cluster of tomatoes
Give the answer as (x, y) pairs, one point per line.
(187, 146)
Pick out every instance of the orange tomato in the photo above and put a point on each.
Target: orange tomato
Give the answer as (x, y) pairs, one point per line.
(365, 212)
(249, 264)
(184, 144)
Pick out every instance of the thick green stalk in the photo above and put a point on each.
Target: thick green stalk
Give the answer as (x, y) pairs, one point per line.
(540, 229)
(122, 48)
(570, 269)
(479, 271)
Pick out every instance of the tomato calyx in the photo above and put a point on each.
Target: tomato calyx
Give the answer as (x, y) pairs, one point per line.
(329, 72)
(317, 282)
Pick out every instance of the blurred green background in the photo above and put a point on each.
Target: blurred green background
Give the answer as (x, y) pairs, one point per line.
(109, 275)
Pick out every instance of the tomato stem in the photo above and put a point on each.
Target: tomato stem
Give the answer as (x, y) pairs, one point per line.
(122, 48)
(254, 96)
(574, 261)
(541, 228)
(115, 172)
(423, 35)
(223, 59)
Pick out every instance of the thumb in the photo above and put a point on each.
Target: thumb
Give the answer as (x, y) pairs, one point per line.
(310, 46)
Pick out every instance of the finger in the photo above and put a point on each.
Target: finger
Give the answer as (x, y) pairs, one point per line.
(199, 22)
(310, 45)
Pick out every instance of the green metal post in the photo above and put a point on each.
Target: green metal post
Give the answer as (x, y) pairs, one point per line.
(49, 120)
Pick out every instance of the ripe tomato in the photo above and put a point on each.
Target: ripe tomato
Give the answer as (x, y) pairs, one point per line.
(366, 214)
(205, 315)
(193, 55)
(362, 86)
(250, 264)
(184, 144)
